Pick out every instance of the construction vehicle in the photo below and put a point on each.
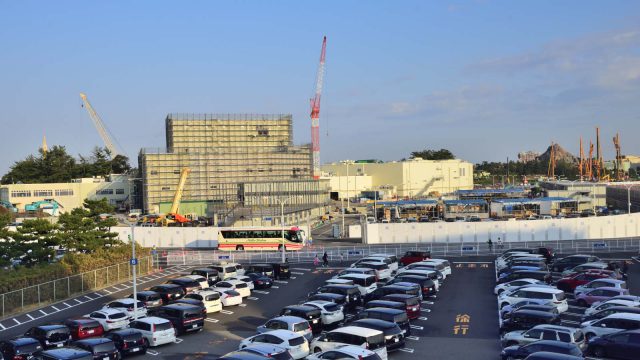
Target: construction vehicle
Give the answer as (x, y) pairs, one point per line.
(172, 218)
(9, 206)
(44, 205)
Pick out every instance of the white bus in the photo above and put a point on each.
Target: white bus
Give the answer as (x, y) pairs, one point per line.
(261, 238)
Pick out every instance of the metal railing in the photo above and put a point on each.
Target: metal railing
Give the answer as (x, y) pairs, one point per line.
(348, 252)
(35, 296)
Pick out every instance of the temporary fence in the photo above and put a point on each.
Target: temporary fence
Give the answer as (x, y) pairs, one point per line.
(60, 289)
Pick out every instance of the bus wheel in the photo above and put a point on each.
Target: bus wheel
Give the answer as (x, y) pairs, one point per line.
(240, 248)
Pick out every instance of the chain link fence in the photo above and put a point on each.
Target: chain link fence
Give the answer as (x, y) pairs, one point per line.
(60, 289)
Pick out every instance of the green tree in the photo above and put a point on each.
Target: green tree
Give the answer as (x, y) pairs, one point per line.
(120, 164)
(97, 207)
(442, 154)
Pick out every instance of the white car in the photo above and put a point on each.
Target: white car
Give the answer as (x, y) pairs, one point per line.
(503, 262)
(447, 266)
(157, 331)
(245, 279)
(199, 279)
(610, 324)
(239, 269)
(555, 297)
(296, 344)
(352, 352)
(378, 259)
(610, 303)
(431, 274)
(382, 270)
(126, 306)
(237, 285)
(392, 260)
(210, 299)
(598, 283)
(426, 265)
(351, 335)
(500, 288)
(230, 298)
(365, 283)
(330, 312)
(110, 319)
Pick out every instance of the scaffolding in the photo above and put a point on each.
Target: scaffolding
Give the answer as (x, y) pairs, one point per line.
(226, 154)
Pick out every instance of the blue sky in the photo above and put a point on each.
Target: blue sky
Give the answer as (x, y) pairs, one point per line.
(485, 79)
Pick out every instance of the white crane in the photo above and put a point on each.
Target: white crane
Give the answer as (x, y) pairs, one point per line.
(102, 130)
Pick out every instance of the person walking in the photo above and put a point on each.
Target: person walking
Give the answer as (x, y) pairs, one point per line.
(325, 260)
(500, 243)
(490, 243)
(316, 261)
(341, 257)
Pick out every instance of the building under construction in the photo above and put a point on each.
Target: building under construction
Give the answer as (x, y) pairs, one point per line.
(242, 167)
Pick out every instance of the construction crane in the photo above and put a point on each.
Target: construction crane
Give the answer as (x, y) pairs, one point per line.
(315, 113)
(172, 218)
(590, 163)
(619, 170)
(551, 170)
(102, 130)
(599, 163)
(581, 164)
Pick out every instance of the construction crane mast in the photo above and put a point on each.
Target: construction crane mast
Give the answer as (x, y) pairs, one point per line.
(102, 130)
(581, 164)
(619, 170)
(315, 114)
(177, 197)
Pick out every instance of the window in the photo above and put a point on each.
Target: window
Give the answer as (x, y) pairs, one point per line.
(549, 335)
(42, 192)
(64, 192)
(564, 337)
(153, 172)
(21, 193)
(104, 192)
(119, 191)
(262, 131)
(166, 188)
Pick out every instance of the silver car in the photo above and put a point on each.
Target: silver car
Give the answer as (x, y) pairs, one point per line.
(296, 324)
(610, 324)
(545, 332)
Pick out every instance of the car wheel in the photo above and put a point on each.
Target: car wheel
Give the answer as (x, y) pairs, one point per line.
(599, 352)
(239, 247)
(317, 350)
(582, 303)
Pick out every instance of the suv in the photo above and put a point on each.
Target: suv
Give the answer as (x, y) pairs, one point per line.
(184, 317)
(392, 315)
(611, 324)
(544, 332)
(20, 348)
(312, 314)
(411, 303)
(554, 296)
(101, 348)
(65, 353)
(224, 270)
(157, 331)
(412, 256)
(427, 286)
(281, 271)
(188, 285)
(210, 274)
(296, 324)
(150, 299)
(394, 339)
(82, 328)
(571, 261)
(128, 341)
(50, 336)
(369, 339)
(169, 292)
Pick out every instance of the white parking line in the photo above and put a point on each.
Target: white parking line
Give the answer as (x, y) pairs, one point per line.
(275, 287)
(67, 304)
(98, 294)
(178, 341)
(300, 269)
(18, 322)
(212, 320)
(44, 313)
(407, 350)
(280, 281)
(422, 318)
(30, 317)
(78, 301)
(296, 273)
(55, 308)
(152, 353)
(293, 278)
(107, 291)
(417, 327)
(427, 302)
(412, 338)
(261, 291)
(227, 311)
(243, 305)
(2, 326)
(252, 298)
(425, 310)
(90, 298)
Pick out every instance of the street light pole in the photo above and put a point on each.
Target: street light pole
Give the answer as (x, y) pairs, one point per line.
(629, 200)
(134, 262)
(282, 202)
(342, 230)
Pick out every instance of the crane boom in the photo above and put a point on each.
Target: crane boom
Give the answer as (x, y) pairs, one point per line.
(177, 197)
(315, 113)
(102, 130)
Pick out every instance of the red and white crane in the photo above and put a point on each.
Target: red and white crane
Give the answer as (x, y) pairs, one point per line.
(315, 114)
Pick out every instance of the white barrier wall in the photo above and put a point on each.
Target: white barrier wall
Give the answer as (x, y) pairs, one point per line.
(617, 226)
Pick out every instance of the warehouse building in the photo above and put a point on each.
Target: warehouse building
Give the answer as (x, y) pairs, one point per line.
(241, 166)
(587, 194)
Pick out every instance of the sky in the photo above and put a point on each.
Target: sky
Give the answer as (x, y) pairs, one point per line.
(484, 79)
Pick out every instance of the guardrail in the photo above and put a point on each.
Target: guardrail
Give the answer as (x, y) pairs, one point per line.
(340, 253)
(24, 299)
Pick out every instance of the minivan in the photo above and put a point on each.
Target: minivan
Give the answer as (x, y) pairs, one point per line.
(83, 327)
(392, 315)
(311, 314)
(157, 331)
(350, 291)
(526, 319)
(394, 339)
(150, 299)
(411, 303)
(210, 274)
(169, 292)
(50, 336)
(224, 270)
(365, 283)
(187, 284)
(184, 317)
(555, 297)
(382, 270)
(264, 269)
(352, 335)
(385, 304)
(427, 286)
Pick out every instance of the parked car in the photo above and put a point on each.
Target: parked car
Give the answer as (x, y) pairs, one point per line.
(292, 323)
(624, 345)
(598, 265)
(381, 268)
(546, 308)
(610, 324)
(521, 352)
(352, 335)
(22, 348)
(411, 303)
(348, 352)
(608, 304)
(350, 270)
(526, 319)
(268, 351)
(500, 288)
(230, 298)
(507, 310)
(351, 292)
(246, 279)
(570, 282)
(126, 306)
(390, 259)
(210, 299)
(184, 317)
(101, 348)
(110, 319)
(365, 283)
(193, 302)
(84, 327)
(281, 271)
(589, 297)
(393, 336)
(65, 353)
(413, 256)
(240, 271)
(187, 284)
(571, 261)
(50, 336)
(396, 288)
(260, 281)
(203, 281)
(210, 274)
(599, 283)
(543, 276)
(338, 299)
(157, 331)
(169, 292)
(312, 314)
(330, 312)
(610, 310)
(128, 341)
(427, 286)
(434, 275)
(296, 344)
(239, 286)
(546, 355)
(224, 270)
(264, 269)
(386, 304)
(150, 299)
(556, 297)
(545, 332)
(396, 316)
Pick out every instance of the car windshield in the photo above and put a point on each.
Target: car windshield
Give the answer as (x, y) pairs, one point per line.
(296, 341)
(230, 269)
(401, 318)
(104, 347)
(28, 348)
(163, 326)
(300, 327)
(560, 296)
(332, 307)
(412, 301)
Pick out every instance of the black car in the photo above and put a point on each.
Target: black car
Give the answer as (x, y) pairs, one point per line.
(408, 289)
(169, 292)
(281, 271)
(184, 317)
(188, 285)
(427, 286)
(545, 355)
(394, 339)
(193, 301)
(338, 299)
(571, 261)
(65, 353)
(260, 281)
(212, 275)
(385, 304)
(129, 341)
(20, 349)
(151, 299)
(50, 336)
(526, 319)
(311, 314)
(527, 274)
(624, 345)
(612, 310)
(521, 352)
(264, 269)
(101, 348)
(545, 308)
(351, 292)
(398, 317)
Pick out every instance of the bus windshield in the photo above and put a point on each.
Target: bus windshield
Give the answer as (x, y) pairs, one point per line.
(295, 235)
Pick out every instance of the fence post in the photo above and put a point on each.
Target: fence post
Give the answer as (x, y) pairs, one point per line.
(54, 290)
(69, 286)
(118, 276)
(22, 292)
(81, 281)
(2, 305)
(108, 274)
(95, 279)
(38, 294)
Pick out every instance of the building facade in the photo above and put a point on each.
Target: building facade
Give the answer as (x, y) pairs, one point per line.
(235, 160)
(414, 178)
(588, 195)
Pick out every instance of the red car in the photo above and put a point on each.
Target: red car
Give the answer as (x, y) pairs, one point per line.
(83, 327)
(414, 256)
(569, 283)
